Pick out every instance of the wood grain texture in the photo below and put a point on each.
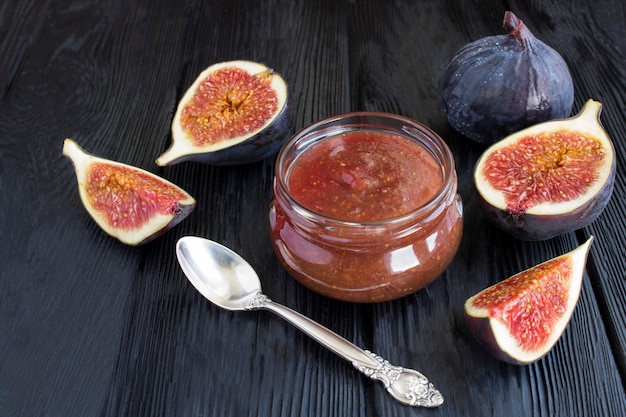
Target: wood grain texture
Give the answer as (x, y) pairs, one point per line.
(90, 327)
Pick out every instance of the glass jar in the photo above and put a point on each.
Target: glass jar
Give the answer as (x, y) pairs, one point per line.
(367, 260)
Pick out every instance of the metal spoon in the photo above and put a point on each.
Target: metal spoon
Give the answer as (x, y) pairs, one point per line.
(228, 281)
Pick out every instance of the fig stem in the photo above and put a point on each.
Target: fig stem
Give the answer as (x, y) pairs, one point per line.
(516, 28)
(591, 111)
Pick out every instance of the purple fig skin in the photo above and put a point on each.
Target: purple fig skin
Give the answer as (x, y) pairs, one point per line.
(533, 227)
(501, 84)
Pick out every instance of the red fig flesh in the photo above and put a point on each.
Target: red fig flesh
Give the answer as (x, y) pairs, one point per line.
(520, 319)
(130, 204)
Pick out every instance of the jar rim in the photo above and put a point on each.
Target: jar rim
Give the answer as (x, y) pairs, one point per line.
(381, 121)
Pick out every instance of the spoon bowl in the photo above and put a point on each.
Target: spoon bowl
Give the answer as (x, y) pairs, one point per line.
(228, 281)
(218, 273)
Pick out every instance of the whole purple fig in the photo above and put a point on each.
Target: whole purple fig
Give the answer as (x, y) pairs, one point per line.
(501, 84)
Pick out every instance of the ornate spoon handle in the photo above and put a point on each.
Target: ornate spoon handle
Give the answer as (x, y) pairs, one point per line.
(405, 385)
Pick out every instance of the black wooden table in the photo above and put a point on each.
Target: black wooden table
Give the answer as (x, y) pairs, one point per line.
(91, 327)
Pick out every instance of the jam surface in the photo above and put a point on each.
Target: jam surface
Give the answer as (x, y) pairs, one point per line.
(365, 176)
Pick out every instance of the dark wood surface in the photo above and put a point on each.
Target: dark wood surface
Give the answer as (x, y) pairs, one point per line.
(90, 327)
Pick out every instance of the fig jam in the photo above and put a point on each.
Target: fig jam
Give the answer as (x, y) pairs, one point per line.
(365, 207)
(365, 176)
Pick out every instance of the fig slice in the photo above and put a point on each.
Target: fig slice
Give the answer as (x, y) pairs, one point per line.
(550, 178)
(520, 319)
(129, 203)
(235, 112)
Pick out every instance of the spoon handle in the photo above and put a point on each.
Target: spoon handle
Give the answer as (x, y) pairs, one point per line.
(405, 385)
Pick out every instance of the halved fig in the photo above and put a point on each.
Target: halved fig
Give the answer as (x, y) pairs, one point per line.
(129, 203)
(520, 319)
(550, 178)
(234, 113)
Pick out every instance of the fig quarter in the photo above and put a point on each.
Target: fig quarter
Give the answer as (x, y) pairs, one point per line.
(128, 203)
(520, 319)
